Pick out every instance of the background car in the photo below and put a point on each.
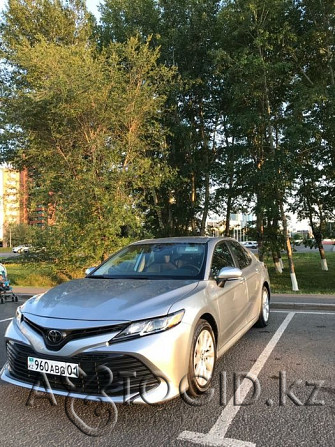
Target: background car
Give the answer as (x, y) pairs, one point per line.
(21, 249)
(146, 325)
(250, 244)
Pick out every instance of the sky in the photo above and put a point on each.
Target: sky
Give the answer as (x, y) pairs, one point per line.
(92, 6)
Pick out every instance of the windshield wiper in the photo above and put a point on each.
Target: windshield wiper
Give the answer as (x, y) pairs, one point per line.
(117, 277)
(134, 277)
(96, 276)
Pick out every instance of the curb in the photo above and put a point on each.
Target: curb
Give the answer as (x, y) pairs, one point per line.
(302, 306)
(25, 296)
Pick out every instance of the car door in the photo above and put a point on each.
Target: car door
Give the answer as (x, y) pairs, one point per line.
(232, 296)
(250, 271)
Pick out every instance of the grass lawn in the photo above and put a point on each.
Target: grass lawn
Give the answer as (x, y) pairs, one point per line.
(35, 275)
(6, 249)
(310, 277)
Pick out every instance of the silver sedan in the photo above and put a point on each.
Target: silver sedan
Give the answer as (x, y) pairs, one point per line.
(145, 326)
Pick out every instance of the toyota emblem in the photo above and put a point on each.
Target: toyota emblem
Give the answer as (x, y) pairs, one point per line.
(55, 336)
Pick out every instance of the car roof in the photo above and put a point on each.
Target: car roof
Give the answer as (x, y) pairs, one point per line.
(183, 239)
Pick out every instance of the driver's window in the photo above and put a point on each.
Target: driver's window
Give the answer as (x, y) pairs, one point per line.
(221, 258)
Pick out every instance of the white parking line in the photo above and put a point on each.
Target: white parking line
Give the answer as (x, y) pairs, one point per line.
(7, 319)
(290, 303)
(313, 312)
(216, 435)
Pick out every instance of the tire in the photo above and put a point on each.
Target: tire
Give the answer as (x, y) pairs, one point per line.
(264, 314)
(201, 367)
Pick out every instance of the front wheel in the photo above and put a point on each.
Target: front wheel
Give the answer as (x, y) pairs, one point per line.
(264, 314)
(202, 359)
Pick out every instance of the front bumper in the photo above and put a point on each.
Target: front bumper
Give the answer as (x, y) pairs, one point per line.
(149, 369)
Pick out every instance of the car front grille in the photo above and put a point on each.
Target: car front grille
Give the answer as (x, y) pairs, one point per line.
(97, 368)
(73, 334)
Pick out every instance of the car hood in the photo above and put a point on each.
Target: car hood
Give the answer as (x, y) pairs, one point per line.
(109, 299)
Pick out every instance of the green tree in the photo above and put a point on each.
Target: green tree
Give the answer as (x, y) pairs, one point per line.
(310, 120)
(257, 72)
(186, 32)
(91, 135)
(18, 234)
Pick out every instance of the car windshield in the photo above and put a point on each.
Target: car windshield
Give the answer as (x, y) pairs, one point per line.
(155, 261)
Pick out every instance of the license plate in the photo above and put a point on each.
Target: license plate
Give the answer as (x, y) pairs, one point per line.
(53, 367)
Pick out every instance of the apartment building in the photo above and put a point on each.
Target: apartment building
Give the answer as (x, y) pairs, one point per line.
(13, 209)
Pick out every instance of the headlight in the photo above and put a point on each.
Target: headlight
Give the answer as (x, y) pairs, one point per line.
(146, 327)
(18, 315)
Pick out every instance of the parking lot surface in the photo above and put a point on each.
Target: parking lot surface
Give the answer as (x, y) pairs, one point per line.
(293, 402)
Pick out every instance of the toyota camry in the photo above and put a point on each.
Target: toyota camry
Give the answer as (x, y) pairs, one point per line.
(147, 324)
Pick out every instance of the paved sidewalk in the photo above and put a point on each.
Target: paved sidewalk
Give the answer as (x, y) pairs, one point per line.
(29, 291)
(303, 302)
(305, 298)
(298, 296)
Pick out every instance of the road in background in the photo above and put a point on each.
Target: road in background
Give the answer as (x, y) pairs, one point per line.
(9, 255)
(303, 249)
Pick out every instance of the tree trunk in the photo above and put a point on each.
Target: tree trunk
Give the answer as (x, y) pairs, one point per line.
(317, 234)
(273, 148)
(324, 265)
(260, 232)
(277, 262)
(158, 209)
(193, 202)
(207, 171)
(318, 240)
(276, 256)
(280, 259)
(206, 206)
(294, 282)
(228, 212)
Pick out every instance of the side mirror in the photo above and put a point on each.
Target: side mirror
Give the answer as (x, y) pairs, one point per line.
(229, 273)
(89, 270)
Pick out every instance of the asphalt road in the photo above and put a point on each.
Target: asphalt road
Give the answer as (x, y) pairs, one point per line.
(303, 350)
(303, 249)
(9, 255)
